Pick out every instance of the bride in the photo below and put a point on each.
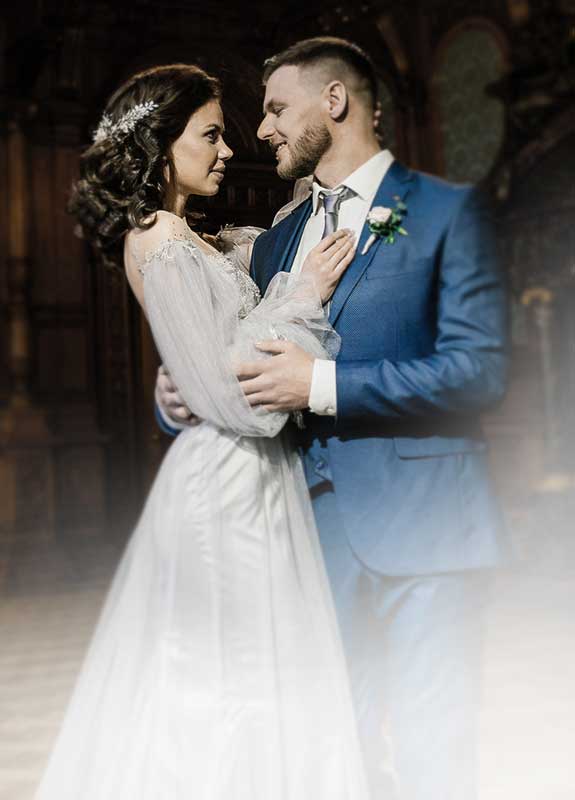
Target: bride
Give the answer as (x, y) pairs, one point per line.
(215, 672)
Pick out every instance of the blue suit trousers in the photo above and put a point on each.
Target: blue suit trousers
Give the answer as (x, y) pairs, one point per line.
(413, 646)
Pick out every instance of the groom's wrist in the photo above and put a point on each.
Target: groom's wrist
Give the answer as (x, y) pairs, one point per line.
(323, 392)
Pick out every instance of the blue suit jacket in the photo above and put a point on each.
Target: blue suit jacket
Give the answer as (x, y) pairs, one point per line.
(423, 328)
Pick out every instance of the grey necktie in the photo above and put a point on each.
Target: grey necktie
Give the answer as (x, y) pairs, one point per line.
(331, 202)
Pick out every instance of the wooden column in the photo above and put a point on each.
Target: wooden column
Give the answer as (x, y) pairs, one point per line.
(18, 262)
(26, 460)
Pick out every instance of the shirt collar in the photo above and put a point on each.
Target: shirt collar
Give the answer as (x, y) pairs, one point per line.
(364, 181)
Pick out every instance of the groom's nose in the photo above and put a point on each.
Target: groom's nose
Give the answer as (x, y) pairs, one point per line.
(266, 129)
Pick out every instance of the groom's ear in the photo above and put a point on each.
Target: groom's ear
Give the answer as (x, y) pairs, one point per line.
(336, 99)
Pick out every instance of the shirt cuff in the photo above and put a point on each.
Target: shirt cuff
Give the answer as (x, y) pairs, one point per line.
(323, 392)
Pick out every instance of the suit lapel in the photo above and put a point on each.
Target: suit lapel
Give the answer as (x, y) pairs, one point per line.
(289, 233)
(394, 185)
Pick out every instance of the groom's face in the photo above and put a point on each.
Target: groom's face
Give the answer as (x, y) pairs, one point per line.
(293, 123)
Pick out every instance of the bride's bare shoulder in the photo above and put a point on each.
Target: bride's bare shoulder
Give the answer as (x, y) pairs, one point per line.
(139, 243)
(160, 227)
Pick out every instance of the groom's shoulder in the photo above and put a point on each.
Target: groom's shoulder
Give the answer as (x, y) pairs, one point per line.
(442, 199)
(435, 188)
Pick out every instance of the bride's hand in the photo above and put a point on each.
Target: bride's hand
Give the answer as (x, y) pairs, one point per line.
(328, 260)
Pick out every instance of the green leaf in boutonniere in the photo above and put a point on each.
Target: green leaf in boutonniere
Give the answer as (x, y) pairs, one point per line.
(386, 223)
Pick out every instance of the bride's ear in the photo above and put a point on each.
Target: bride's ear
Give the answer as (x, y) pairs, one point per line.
(336, 99)
(168, 169)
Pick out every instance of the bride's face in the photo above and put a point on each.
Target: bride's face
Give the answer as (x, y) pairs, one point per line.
(199, 155)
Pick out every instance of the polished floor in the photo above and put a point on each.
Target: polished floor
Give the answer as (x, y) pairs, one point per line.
(51, 593)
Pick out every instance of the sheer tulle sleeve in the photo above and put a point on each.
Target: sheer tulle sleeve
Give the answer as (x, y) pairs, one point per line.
(291, 308)
(192, 305)
(192, 310)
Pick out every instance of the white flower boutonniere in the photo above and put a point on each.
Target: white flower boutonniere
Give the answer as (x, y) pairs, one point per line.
(385, 223)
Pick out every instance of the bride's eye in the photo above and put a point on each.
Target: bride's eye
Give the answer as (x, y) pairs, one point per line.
(213, 135)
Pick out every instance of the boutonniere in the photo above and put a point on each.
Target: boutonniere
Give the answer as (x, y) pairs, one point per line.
(385, 223)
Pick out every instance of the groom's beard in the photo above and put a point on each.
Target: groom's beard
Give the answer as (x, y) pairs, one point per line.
(304, 154)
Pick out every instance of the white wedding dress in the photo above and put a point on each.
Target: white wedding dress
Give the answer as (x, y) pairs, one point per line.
(216, 670)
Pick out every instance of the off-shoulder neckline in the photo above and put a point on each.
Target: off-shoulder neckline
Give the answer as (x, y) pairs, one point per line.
(193, 239)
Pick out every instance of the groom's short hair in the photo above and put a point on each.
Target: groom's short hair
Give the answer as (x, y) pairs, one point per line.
(339, 57)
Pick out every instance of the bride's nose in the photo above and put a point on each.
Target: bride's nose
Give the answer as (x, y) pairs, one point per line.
(225, 152)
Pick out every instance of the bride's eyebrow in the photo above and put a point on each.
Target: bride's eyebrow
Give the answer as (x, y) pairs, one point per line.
(215, 126)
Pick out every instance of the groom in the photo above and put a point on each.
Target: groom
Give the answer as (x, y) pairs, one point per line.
(393, 450)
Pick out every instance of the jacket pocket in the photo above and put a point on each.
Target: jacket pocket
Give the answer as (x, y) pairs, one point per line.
(433, 446)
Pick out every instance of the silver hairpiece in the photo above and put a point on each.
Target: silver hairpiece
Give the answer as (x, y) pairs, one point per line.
(107, 129)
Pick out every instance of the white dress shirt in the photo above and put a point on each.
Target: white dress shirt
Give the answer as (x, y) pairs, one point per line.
(364, 183)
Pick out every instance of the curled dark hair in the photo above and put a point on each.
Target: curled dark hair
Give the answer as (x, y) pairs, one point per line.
(122, 177)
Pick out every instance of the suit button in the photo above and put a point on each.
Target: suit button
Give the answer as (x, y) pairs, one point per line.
(320, 464)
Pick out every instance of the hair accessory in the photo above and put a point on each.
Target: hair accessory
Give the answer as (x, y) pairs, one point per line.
(107, 129)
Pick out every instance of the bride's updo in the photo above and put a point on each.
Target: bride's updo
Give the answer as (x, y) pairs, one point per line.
(122, 173)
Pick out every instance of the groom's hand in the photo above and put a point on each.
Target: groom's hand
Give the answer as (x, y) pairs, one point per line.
(281, 383)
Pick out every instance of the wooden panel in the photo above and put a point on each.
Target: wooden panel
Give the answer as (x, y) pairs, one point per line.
(44, 287)
(61, 361)
(58, 255)
(7, 498)
(80, 489)
(4, 200)
(34, 481)
(70, 250)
